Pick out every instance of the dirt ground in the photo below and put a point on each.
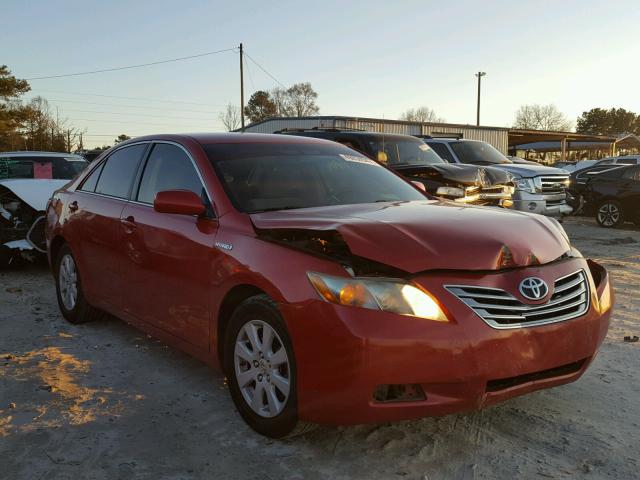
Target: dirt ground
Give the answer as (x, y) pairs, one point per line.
(103, 401)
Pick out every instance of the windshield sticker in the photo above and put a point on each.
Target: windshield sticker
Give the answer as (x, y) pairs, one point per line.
(358, 159)
(424, 147)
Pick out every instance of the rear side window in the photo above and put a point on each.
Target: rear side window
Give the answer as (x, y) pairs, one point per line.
(442, 151)
(89, 185)
(628, 161)
(119, 170)
(168, 168)
(632, 174)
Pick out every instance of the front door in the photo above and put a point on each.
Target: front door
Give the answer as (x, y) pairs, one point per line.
(169, 256)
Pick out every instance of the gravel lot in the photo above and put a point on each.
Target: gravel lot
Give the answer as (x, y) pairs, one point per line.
(103, 401)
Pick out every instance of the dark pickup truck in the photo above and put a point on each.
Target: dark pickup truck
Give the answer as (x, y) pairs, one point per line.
(416, 161)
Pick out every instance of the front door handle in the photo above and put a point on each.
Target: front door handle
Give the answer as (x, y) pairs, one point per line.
(129, 224)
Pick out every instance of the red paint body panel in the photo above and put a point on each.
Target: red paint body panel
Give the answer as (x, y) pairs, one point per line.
(169, 274)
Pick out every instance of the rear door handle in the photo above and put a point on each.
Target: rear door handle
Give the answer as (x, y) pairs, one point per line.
(73, 206)
(129, 224)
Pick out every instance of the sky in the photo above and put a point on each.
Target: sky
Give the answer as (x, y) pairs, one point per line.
(368, 59)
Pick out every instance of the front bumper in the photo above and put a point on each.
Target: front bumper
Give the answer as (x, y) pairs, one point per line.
(552, 205)
(343, 354)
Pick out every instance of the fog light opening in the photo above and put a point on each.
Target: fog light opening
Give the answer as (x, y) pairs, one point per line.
(532, 206)
(407, 392)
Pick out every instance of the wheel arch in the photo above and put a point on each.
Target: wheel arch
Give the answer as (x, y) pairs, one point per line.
(56, 244)
(232, 299)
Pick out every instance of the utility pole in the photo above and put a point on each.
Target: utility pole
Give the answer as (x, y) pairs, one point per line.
(479, 75)
(241, 88)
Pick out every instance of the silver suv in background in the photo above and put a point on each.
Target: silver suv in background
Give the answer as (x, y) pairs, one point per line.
(539, 189)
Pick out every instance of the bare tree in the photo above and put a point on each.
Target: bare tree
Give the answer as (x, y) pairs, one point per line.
(541, 117)
(299, 100)
(230, 118)
(421, 114)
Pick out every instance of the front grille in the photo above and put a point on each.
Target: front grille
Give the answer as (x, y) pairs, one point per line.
(554, 184)
(500, 309)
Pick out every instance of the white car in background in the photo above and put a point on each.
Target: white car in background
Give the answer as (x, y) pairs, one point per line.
(27, 181)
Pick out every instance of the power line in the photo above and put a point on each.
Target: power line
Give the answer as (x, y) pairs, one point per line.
(127, 122)
(135, 114)
(163, 109)
(44, 77)
(128, 98)
(264, 70)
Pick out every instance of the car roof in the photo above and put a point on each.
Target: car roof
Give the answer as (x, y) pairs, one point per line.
(26, 153)
(230, 137)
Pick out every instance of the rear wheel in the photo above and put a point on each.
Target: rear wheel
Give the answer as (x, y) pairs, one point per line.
(71, 301)
(260, 365)
(609, 214)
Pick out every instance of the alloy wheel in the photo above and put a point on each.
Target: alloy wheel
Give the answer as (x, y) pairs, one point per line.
(609, 214)
(262, 368)
(68, 281)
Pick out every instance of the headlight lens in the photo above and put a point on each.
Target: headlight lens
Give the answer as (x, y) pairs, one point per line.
(450, 192)
(525, 184)
(393, 296)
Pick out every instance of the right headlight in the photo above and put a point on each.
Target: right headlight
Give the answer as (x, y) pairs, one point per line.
(388, 295)
(525, 184)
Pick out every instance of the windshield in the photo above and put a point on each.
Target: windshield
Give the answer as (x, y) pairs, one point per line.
(404, 152)
(259, 177)
(478, 153)
(60, 168)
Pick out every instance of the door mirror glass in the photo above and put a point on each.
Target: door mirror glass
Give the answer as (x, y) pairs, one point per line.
(181, 202)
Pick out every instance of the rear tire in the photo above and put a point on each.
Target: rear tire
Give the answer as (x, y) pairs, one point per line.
(73, 305)
(609, 214)
(261, 369)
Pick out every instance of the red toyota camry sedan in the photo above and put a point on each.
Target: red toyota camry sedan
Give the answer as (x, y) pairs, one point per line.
(327, 288)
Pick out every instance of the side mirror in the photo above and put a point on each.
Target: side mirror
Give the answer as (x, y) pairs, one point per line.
(420, 185)
(181, 202)
(382, 157)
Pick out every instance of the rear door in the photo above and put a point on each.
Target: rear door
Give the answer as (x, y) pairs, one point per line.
(169, 257)
(97, 204)
(630, 193)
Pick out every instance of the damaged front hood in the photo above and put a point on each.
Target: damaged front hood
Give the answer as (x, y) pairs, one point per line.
(34, 192)
(529, 171)
(462, 174)
(428, 235)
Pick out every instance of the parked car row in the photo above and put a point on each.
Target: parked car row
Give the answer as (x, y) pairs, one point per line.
(467, 171)
(27, 181)
(326, 287)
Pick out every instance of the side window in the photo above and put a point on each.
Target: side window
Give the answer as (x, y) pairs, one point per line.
(89, 185)
(628, 161)
(442, 151)
(168, 168)
(119, 171)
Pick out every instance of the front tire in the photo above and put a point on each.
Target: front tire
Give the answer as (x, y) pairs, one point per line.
(609, 214)
(260, 366)
(73, 305)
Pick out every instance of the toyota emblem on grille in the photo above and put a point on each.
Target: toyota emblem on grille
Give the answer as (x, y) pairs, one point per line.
(533, 288)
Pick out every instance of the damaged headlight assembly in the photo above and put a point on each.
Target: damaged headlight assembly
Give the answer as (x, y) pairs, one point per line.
(525, 184)
(388, 295)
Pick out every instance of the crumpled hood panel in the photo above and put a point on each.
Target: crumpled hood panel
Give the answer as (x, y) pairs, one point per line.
(34, 192)
(529, 171)
(458, 172)
(430, 235)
